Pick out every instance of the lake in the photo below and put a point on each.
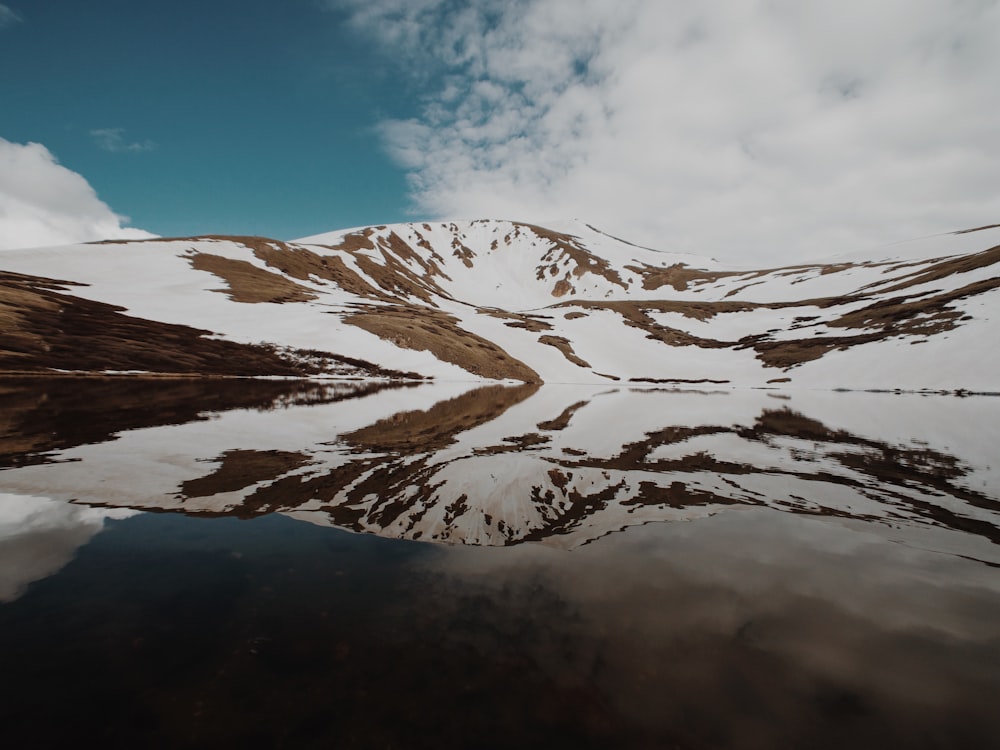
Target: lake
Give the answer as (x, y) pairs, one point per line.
(268, 563)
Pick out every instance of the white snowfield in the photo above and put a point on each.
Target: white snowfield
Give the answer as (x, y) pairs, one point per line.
(575, 305)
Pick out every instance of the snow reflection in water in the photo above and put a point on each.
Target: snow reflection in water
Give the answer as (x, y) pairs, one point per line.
(835, 584)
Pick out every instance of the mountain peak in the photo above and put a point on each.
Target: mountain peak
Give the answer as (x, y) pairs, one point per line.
(500, 299)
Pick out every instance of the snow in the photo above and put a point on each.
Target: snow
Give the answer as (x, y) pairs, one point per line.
(155, 280)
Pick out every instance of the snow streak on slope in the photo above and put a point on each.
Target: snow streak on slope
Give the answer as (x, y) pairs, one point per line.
(508, 301)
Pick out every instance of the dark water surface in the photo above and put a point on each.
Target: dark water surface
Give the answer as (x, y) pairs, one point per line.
(624, 569)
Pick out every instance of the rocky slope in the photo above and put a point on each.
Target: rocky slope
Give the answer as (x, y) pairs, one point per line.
(506, 301)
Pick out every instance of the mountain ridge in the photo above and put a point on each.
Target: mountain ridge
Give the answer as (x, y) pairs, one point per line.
(489, 464)
(501, 300)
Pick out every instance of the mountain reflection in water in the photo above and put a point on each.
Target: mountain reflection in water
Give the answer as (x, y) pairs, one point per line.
(834, 584)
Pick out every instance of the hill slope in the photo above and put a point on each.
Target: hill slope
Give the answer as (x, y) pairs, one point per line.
(505, 300)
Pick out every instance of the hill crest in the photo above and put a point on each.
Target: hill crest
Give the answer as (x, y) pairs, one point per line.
(506, 300)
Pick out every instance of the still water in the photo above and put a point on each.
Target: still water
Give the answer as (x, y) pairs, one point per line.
(274, 564)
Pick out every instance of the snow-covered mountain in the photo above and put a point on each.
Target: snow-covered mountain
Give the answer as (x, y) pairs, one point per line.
(507, 301)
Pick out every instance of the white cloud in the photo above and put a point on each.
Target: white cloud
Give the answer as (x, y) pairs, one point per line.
(8, 16)
(43, 203)
(113, 140)
(741, 129)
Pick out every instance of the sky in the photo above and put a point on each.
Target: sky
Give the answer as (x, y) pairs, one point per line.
(745, 130)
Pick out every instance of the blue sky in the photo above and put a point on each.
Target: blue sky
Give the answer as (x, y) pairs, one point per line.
(243, 116)
(753, 131)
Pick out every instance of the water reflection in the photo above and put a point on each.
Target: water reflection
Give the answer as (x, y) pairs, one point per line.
(40, 416)
(833, 584)
(502, 465)
(39, 536)
(749, 629)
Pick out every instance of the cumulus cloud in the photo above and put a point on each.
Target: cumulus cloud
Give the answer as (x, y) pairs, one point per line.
(113, 140)
(44, 203)
(742, 129)
(8, 16)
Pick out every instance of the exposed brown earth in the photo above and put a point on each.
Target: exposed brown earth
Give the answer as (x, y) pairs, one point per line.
(458, 248)
(921, 316)
(23, 300)
(303, 264)
(462, 252)
(943, 269)
(977, 229)
(394, 277)
(788, 354)
(45, 329)
(440, 334)
(636, 315)
(679, 276)
(406, 275)
(245, 282)
(834, 268)
(895, 317)
(353, 241)
(696, 310)
(567, 246)
(563, 345)
(533, 323)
